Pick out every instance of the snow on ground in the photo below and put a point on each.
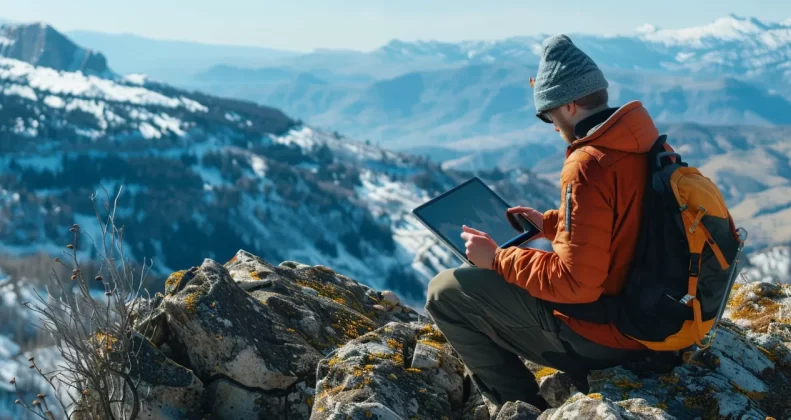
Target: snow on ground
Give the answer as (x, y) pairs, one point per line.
(136, 79)
(771, 265)
(302, 137)
(21, 90)
(66, 83)
(54, 101)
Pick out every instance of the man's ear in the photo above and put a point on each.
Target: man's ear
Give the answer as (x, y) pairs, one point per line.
(572, 109)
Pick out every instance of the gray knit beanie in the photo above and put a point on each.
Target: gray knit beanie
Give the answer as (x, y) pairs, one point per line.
(565, 74)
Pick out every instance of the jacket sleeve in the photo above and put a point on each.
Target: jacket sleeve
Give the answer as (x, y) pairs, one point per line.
(550, 224)
(576, 271)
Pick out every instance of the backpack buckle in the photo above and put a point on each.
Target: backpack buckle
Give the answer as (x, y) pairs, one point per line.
(686, 299)
(694, 265)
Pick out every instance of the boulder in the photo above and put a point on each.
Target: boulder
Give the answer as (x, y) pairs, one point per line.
(167, 390)
(518, 411)
(252, 340)
(372, 376)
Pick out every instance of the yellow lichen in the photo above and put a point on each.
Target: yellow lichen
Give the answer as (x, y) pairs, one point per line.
(760, 314)
(430, 343)
(753, 395)
(627, 384)
(191, 301)
(174, 280)
(413, 370)
(595, 396)
(105, 341)
(545, 372)
(392, 376)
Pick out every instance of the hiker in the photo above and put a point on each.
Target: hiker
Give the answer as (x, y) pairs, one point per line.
(506, 306)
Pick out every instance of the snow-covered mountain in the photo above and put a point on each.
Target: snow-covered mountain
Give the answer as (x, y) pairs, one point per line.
(206, 176)
(466, 95)
(42, 45)
(733, 45)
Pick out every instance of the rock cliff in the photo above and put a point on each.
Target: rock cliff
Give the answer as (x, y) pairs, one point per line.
(248, 339)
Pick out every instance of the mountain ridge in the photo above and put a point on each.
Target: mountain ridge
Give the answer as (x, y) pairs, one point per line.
(41, 44)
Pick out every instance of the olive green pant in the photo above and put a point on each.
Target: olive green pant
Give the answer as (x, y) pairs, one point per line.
(490, 323)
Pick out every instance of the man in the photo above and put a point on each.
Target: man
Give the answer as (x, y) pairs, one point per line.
(507, 305)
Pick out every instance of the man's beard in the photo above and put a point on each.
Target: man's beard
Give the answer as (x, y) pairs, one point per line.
(566, 130)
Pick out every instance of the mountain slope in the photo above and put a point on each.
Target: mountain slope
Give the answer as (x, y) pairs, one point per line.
(42, 45)
(204, 175)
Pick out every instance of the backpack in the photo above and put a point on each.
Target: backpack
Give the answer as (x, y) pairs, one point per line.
(686, 258)
(685, 261)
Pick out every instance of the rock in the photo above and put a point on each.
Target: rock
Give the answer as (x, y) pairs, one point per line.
(556, 388)
(372, 373)
(518, 411)
(390, 299)
(305, 342)
(167, 390)
(476, 408)
(228, 400)
(595, 407)
(223, 331)
(427, 356)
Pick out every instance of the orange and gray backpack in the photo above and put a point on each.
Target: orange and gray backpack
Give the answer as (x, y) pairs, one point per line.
(685, 262)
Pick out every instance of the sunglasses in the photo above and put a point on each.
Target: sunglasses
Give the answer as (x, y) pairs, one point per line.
(543, 116)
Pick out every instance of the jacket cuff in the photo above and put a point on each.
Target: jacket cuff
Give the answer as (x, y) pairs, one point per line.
(550, 224)
(496, 265)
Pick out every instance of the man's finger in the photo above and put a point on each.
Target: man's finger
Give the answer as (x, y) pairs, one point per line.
(475, 231)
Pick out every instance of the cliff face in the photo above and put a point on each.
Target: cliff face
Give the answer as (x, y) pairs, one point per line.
(42, 45)
(248, 339)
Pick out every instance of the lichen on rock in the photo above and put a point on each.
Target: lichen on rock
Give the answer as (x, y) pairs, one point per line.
(248, 339)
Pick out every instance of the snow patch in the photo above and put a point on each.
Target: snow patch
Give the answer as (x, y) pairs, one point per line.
(259, 165)
(54, 102)
(148, 131)
(136, 79)
(21, 90)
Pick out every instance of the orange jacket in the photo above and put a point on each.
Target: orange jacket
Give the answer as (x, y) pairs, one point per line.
(594, 232)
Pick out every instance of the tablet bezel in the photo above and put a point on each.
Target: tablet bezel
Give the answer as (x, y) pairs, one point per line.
(442, 238)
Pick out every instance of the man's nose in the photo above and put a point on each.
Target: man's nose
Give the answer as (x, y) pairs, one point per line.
(557, 130)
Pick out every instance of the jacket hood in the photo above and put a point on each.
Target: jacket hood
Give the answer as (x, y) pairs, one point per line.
(629, 129)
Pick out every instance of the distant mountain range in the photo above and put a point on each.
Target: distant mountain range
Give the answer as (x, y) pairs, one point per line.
(463, 98)
(207, 176)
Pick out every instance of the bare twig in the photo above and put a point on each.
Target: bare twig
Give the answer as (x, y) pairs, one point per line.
(96, 340)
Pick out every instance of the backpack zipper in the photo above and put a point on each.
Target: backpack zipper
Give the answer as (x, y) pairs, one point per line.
(568, 208)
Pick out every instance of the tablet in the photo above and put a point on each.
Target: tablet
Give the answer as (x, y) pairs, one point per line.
(474, 204)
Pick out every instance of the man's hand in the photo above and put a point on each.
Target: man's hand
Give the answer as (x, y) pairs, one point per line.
(480, 247)
(533, 215)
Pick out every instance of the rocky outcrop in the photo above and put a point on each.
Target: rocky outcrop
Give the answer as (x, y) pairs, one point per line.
(248, 340)
(42, 45)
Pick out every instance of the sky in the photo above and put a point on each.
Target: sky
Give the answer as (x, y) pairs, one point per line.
(305, 25)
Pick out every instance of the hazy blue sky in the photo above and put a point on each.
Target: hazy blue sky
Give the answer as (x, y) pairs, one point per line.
(367, 24)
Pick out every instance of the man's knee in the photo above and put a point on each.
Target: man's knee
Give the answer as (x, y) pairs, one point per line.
(441, 286)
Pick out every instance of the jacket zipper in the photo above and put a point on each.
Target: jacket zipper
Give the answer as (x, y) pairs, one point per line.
(568, 207)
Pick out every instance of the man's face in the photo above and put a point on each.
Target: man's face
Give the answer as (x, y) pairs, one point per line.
(562, 120)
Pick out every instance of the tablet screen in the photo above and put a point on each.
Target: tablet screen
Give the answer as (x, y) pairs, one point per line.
(472, 204)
